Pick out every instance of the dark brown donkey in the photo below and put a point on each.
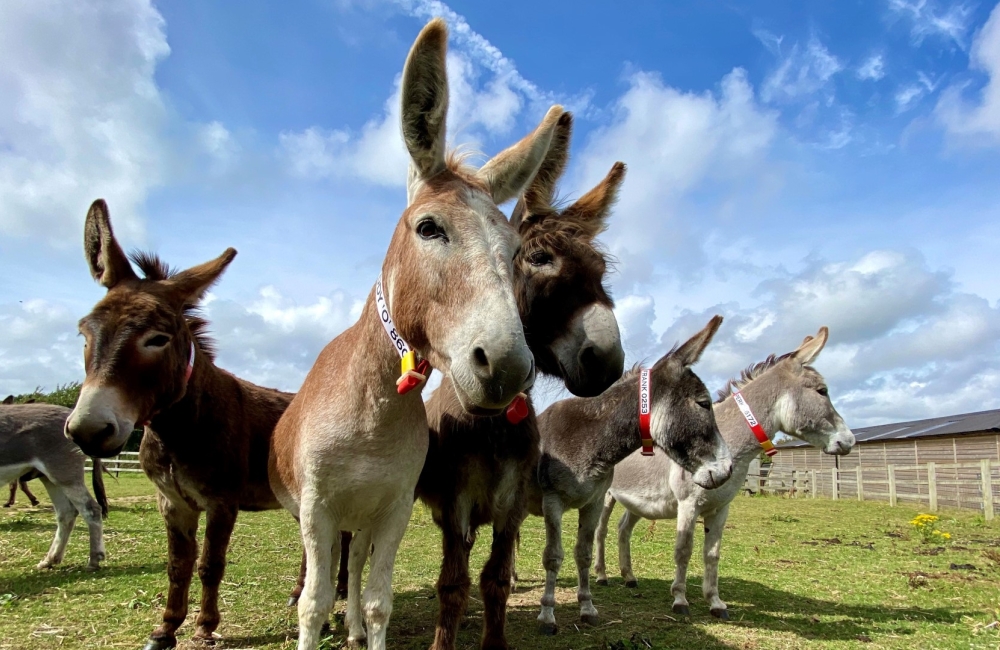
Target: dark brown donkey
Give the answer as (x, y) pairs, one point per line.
(207, 432)
(478, 467)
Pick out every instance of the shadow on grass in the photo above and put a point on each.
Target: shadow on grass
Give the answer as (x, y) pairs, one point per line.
(38, 581)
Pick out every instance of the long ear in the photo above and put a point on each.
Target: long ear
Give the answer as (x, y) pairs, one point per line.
(690, 352)
(424, 97)
(108, 263)
(509, 172)
(191, 284)
(811, 347)
(590, 211)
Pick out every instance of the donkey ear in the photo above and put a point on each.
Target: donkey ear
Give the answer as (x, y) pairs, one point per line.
(541, 192)
(590, 211)
(191, 284)
(507, 173)
(8, 400)
(689, 353)
(424, 99)
(811, 347)
(108, 263)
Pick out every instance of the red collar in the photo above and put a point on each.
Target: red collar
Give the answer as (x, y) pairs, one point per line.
(645, 407)
(754, 424)
(190, 367)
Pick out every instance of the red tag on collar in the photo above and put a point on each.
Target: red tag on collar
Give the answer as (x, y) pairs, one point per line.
(645, 408)
(518, 409)
(410, 379)
(754, 424)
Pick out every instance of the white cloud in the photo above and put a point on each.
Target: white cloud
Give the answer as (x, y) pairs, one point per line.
(929, 19)
(904, 343)
(39, 346)
(80, 113)
(674, 143)
(803, 72)
(983, 117)
(872, 69)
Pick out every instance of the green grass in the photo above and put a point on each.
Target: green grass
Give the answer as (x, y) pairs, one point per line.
(795, 572)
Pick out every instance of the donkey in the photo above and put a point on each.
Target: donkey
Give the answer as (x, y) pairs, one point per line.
(32, 443)
(478, 468)
(347, 453)
(207, 433)
(782, 394)
(582, 439)
(23, 484)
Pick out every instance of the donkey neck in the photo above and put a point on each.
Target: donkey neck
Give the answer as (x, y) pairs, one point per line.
(616, 437)
(762, 396)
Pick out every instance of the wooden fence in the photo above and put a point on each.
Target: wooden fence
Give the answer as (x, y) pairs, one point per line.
(127, 461)
(972, 486)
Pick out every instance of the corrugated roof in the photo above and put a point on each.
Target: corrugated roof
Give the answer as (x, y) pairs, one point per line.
(943, 426)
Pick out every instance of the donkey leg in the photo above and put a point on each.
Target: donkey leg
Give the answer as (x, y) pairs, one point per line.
(714, 525)
(219, 523)
(182, 551)
(687, 517)
(13, 495)
(90, 510)
(386, 536)
(600, 540)
(583, 553)
(345, 555)
(625, 527)
(65, 520)
(552, 559)
(360, 547)
(24, 488)
(293, 598)
(496, 580)
(452, 586)
(320, 533)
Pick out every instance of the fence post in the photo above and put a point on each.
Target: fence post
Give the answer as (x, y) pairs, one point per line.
(987, 480)
(812, 482)
(932, 486)
(859, 479)
(891, 469)
(833, 491)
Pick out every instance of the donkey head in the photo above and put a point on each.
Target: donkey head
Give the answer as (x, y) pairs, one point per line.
(566, 310)
(448, 272)
(682, 421)
(138, 338)
(803, 408)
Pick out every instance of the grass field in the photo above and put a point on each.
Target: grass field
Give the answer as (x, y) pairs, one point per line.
(795, 572)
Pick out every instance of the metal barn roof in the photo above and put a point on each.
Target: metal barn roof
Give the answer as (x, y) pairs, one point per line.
(943, 426)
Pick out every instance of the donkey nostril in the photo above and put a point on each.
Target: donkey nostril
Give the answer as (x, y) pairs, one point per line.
(479, 355)
(588, 357)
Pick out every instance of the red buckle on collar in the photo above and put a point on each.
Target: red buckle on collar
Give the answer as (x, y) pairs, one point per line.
(412, 377)
(645, 410)
(518, 409)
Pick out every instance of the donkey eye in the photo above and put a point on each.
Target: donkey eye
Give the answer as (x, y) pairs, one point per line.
(158, 341)
(823, 391)
(428, 229)
(539, 258)
(705, 403)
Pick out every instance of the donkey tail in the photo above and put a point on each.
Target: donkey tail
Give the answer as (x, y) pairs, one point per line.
(99, 493)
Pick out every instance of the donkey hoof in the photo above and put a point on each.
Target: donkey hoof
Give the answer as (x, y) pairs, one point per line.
(293, 601)
(341, 594)
(602, 582)
(360, 642)
(632, 584)
(683, 610)
(93, 567)
(326, 630)
(720, 613)
(44, 564)
(161, 643)
(548, 629)
(590, 619)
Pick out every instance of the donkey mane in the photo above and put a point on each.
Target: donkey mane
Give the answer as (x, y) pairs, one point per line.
(748, 374)
(155, 269)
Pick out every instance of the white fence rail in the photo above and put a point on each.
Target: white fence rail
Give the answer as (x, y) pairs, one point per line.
(971, 486)
(125, 462)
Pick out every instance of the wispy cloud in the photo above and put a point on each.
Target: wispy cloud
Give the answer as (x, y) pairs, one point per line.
(908, 96)
(802, 72)
(965, 119)
(928, 18)
(872, 69)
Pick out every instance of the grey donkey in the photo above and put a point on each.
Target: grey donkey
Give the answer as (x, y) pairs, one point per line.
(582, 439)
(32, 441)
(784, 394)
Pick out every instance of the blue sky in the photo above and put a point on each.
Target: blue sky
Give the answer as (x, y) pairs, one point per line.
(791, 165)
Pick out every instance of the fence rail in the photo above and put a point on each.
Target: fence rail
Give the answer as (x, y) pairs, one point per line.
(972, 486)
(125, 462)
